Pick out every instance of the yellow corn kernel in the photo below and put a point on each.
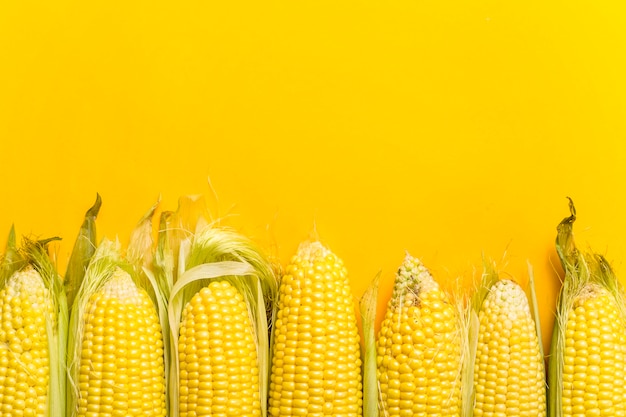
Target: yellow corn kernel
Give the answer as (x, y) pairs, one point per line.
(315, 292)
(219, 370)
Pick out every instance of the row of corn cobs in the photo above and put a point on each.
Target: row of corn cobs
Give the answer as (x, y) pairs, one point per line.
(199, 324)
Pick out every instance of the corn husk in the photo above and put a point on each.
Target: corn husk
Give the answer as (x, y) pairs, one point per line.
(368, 305)
(84, 248)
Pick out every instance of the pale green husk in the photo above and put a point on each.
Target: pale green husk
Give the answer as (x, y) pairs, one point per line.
(368, 305)
(11, 260)
(534, 306)
(84, 248)
(489, 277)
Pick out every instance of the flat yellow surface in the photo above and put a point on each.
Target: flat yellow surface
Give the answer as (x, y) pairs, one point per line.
(445, 128)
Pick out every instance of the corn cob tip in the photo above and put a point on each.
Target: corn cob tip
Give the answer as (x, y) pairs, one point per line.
(312, 249)
(29, 283)
(509, 293)
(412, 279)
(121, 286)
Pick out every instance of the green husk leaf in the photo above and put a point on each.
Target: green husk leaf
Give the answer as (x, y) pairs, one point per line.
(161, 304)
(471, 326)
(165, 257)
(84, 248)
(176, 230)
(162, 276)
(141, 256)
(140, 252)
(488, 278)
(534, 306)
(192, 214)
(368, 305)
(12, 260)
(463, 320)
(35, 253)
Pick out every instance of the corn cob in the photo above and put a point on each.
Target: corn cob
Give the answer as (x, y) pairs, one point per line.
(32, 335)
(419, 348)
(116, 345)
(219, 327)
(588, 353)
(316, 368)
(509, 376)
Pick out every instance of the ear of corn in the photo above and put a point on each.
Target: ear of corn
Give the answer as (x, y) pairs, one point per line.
(219, 326)
(588, 352)
(316, 366)
(116, 358)
(32, 336)
(509, 376)
(420, 347)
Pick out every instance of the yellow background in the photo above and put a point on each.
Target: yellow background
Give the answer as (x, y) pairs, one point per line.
(445, 128)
